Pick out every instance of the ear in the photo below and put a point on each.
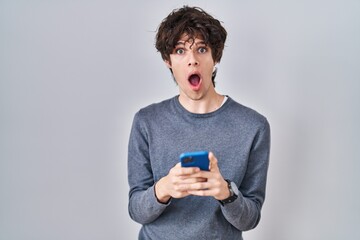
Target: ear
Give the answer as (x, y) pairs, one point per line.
(167, 63)
(215, 67)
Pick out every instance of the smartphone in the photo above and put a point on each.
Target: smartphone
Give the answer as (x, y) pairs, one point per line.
(195, 159)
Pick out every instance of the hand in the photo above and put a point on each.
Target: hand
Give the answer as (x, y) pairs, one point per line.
(215, 185)
(176, 183)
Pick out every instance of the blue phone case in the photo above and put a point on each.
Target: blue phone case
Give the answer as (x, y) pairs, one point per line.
(195, 159)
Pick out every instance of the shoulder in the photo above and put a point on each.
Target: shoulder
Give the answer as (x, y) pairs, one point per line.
(155, 107)
(246, 115)
(153, 111)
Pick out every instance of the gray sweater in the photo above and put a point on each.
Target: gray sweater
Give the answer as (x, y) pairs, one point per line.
(240, 139)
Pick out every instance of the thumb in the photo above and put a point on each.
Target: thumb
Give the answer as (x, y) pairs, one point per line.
(213, 162)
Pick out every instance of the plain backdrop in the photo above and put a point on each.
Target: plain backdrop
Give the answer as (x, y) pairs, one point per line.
(74, 73)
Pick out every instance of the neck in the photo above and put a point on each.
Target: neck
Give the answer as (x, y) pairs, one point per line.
(203, 105)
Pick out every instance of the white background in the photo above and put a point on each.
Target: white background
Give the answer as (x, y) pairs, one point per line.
(73, 74)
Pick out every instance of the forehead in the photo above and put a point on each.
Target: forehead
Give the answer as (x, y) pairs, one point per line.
(185, 38)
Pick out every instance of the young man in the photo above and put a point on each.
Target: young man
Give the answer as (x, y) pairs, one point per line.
(174, 202)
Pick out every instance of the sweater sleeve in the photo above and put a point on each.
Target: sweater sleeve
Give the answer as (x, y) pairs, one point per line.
(244, 212)
(143, 205)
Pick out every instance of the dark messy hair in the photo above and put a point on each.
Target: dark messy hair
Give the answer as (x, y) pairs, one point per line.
(194, 22)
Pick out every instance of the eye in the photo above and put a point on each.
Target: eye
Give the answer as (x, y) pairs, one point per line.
(202, 50)
(179, 51)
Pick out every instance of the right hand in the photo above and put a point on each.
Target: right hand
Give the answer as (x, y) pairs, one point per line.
(176, 183)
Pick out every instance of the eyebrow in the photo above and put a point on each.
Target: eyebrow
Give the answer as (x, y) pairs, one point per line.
(179, 43)
(194, 43)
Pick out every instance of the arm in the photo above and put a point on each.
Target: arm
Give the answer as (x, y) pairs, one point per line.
(147, 199)
(244, 212)
(143, 206)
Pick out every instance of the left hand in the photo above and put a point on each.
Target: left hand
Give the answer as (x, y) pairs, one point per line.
(215, 185)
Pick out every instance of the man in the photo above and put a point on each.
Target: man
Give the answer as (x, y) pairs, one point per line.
(174, 202)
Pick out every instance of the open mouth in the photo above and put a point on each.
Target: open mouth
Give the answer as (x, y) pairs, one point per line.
(194, 80)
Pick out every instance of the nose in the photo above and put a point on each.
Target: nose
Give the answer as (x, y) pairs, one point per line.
(193, 61)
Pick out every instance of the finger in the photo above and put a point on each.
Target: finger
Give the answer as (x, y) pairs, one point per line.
(191, 186)
(201, 174)
(189, 170)
(198, 186)
(179, 192)
(188, 180)
(202, 192)
(182, 188)
(213, 162)
(177, 170)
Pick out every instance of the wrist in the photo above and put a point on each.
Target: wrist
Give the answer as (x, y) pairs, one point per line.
(160, 192)
(234, 192)
(225, 192)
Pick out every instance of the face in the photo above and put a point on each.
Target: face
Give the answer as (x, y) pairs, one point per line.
(192, 65)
